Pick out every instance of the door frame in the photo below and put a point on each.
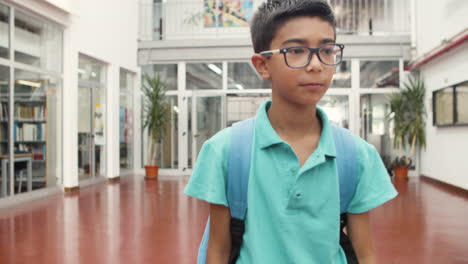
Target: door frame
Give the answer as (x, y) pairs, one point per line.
(93, 86)
(194, 126)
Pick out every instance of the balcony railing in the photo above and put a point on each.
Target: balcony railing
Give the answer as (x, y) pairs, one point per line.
(201, 19)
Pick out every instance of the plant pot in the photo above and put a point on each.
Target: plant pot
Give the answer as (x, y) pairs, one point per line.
(401, 173)
(151, 172)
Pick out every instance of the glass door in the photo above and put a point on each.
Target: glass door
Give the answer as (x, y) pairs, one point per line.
(90, 131)
(205, 120)
(126, 120)
(86, 166)
(91, 117)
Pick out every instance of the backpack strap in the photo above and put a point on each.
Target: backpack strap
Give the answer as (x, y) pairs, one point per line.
(237, 184)
(238, 180)
(239, 167)
(347, 165)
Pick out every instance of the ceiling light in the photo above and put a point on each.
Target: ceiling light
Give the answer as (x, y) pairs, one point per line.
(215, 68)
(28, 83)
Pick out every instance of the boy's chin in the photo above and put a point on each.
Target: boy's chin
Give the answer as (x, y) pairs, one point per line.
(301, 100)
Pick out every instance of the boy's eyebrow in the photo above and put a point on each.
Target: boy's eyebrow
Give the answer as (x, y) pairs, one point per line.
(304, 42)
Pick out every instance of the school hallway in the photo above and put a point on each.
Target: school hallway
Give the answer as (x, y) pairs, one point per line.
(138, 221)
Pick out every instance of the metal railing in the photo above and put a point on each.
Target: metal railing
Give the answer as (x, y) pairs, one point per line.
(201, 19)
(372, 17)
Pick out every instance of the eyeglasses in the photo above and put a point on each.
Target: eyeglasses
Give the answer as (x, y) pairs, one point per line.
(300, 56)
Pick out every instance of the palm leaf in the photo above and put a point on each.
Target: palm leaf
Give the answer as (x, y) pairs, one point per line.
(156, 112)
(408, 113)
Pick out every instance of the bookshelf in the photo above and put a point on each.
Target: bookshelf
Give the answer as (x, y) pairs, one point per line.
(29, 130)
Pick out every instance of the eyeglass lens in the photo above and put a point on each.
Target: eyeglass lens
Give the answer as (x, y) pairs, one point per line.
(301, 56)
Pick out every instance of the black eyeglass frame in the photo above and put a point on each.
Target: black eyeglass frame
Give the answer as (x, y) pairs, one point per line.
(312, 51)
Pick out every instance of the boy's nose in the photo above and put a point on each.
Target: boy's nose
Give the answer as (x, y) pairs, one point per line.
(315, 64)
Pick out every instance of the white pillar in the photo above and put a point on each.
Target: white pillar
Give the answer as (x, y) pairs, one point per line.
(355, 99)
(137, 164)
(70, 111)
(112, 122)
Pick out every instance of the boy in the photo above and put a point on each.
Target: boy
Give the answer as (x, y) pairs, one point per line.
(293, 196)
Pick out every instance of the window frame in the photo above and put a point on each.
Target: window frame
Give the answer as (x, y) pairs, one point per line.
(455, 122)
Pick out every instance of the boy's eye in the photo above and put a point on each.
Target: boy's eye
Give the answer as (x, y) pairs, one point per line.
(296, 51)
(327, 51)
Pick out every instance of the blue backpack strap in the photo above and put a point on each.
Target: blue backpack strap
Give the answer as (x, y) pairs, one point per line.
(239, 167)
(204, 244)
(237, 177)
(347, 164)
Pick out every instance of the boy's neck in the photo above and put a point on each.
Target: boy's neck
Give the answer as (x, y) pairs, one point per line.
(294, 121)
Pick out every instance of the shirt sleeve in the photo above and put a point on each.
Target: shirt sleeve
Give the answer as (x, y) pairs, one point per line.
(208, 179)
(374, 186)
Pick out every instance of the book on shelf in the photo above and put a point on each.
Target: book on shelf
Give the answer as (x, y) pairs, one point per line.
(29, 132)
(24, 113)
(3, 133)
(39, 152)
(4, 111)
(29, 112)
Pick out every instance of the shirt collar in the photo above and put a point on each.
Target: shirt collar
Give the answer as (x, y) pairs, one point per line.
(266, 136)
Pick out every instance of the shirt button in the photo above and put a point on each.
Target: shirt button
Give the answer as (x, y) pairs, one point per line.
(298, 195)
(293, 170)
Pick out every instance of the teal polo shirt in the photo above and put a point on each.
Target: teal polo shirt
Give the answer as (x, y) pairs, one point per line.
(293, 212)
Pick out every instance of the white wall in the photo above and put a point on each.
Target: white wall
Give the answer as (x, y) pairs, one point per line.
(445, 158)
(107, 31)
(437, 20)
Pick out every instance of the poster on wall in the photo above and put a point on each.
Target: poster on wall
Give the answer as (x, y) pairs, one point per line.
(99, 124)
(227, 13)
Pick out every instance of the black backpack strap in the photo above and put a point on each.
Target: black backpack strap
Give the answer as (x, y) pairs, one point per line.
(238, 180)
(345, 242)
(237, 231)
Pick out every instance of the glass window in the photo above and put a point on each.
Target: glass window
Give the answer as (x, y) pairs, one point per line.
(379, 74)
(167, 154)
(243, 106)
(4, 83)
(167, 72)
(204, 120)
(35, 107)
(375, 125)
(450, 105)
(337, 109)
(38, 43)
(242, 75)
(126, 119)
(462, 103)
(443, 104)
(91, 70)
(4, 31)
(35, 126)
(342, 76)
(204, 76)
(4, 124)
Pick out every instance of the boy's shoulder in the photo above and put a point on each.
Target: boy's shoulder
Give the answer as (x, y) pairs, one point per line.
(366, 151)
(220, 141)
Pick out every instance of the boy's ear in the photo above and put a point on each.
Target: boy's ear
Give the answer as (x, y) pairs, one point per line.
(259, 62)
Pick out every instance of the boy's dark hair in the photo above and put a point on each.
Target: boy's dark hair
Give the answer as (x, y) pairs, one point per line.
(272, 14)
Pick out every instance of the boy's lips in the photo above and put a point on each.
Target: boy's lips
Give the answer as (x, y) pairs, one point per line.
(311, 85)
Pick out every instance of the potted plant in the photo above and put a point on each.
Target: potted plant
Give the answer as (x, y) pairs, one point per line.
(156, 115)
(408, 113)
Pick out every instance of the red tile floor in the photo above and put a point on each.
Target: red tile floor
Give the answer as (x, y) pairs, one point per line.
(137, 221)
